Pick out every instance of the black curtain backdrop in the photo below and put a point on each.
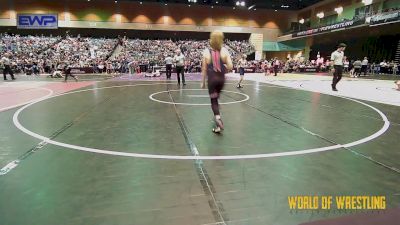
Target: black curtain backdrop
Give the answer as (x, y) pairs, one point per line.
(376, 48)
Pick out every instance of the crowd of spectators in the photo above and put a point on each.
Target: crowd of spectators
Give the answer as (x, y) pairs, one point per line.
(136, 54)
(26, 50)
(41, 54)
(22, 46)
(354, 68)
(241, 47)
(80, 52)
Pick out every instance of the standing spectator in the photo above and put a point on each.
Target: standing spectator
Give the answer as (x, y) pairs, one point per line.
(346, 65)
(364, 66)
(395, 68)
(390, 67)
(242, 64)
(377, 69)
(373, 65)
(357, 68)
(277, 64)
(382, 65)
(132, 67)
(267, 67)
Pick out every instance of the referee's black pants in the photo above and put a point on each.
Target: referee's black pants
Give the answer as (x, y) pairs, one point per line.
(168, 68)
(7, 70)
(364, 69)
(68, 74)
(276, 70)
(337, 75)
(180, 70)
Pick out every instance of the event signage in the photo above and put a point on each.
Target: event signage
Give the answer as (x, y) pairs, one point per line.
(82, 70)
(37, 21)
(385, 18)
(309, 69)
(333, 27)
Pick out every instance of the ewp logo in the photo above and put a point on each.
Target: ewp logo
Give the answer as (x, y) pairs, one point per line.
(35, 21)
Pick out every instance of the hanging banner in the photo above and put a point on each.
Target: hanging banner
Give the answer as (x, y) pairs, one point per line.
(329, 28)
(37, 21)
(389, 17)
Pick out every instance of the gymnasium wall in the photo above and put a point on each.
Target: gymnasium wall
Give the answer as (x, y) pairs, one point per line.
(152, 16)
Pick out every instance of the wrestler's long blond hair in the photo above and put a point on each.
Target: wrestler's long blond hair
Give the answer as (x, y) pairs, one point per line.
(216, 40)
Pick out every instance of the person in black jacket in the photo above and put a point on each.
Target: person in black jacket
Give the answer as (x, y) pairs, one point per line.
(67, 71)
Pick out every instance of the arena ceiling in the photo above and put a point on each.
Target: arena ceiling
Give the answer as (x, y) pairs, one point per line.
(252, 4)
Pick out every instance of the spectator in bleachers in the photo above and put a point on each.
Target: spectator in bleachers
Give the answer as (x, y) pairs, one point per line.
(40, 54)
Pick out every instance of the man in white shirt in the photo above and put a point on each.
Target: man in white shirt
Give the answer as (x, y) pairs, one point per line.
(364, 66)
(168, 64)
(337, 65)
(7, 66)
(180, 66)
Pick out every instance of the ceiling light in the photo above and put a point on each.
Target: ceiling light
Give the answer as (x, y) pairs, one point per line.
(240, 3)
(339, 10)
(367, 2)
(250, 7)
